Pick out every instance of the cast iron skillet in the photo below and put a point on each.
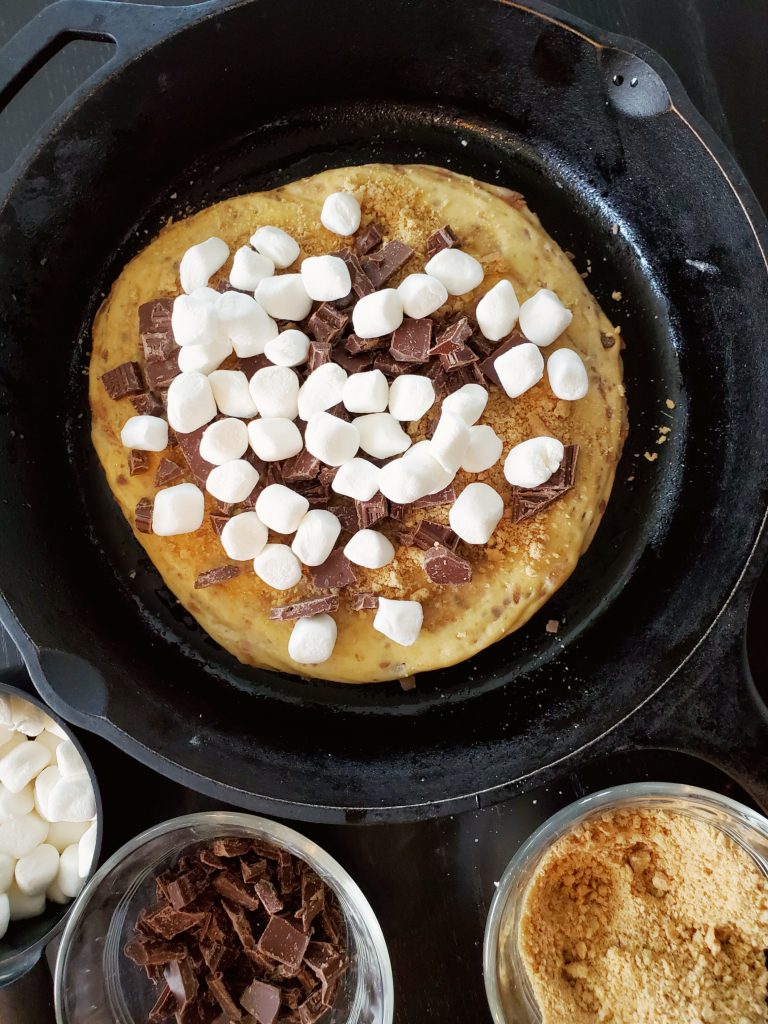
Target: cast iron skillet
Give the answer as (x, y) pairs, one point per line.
(204, 102)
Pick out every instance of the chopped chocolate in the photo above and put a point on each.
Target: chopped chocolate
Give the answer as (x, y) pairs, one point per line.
(347, 516)
(302, 609)
(452, 338)
(428, 534)
(327, 324)
(340, 410)
(268, 896)
(355, 345)
(397, 511)
(240, 926)
(302, 467)
(181, 980)
(186, 888)
(167, 471)
(155, 315)
(218, 989)
(446, 567)
(221, 574)
(286, 877)
(443, 238)
(158, 346)
(526, 502)
(607, 340)
(146, 952)
(364, 601)
(361, 282)
(481, 345)
(367, 239)
(232, 846)
(251, 364)
(439, 378)
(312, 899)
(160, 374)
(458, 358)
(371, 511)
(353, 363)
(148, 404)
(335, 572)
(390, 366)
(234, 890)
(411, 340)
(319, 354)
(143, 515)
(138, 462)
(207, 856)
(386, 261)
(218, 523)
(326, 962)
(164, 1005)
(312, 1010)
(124, 380)
(444, 497)
(262, 1001)
(283, 942)
(190, 449)
(515, 339)
(251, 870)
(169, 922)
(327, 475)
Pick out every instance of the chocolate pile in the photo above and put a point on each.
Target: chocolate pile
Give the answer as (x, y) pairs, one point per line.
(241, 931)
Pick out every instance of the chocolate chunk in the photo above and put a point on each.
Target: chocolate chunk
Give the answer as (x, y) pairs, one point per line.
(180, 979)
(607, 340)
(143, 515)
(300, 468)
(397, 512)
(160, 374)
(347, 516)
(364, 601)
(326, 963)
(302, 609)
(218, 989)
(158, 346)
(286, 876)
(443, 238)
(367, 239)
(240, 926)
(459, 358)
(439, 378)
(355, 345)
(268, 896)
(218, 523)
(526, 502)
(138, 462)
(164, 1005)
(155, 316)
(444, 497)
(389, 366)
(353, 363)
(361, 282)
(148, 952)
(327, 324)
(190, 449)
(371, 511)
(207, 856)
(312, 899)
(481, 345)
(335, 572)
(283, 942)
(251, 364)
(428, 534)
(147, 404)
(124, 380)
(312, 1010)
(327, 475)
(232, 846)
(169, 922)
(515, 339)
(252, 870)
(186, 888)
(446, 567)
(386, 261)
(262, 1001)
(411, 340)
(319, 354)
(452, 338)
(234, 890)
(221, 574)
(167, 471)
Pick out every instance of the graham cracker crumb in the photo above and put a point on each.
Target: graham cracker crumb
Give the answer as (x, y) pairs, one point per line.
(616, 296)
(651, 456)
(670, 404)
(552, 626)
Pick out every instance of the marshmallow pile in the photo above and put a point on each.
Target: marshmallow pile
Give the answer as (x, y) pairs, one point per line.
(47, 813)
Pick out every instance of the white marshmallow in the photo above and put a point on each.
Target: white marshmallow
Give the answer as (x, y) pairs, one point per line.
(232, 394)
(411, 396)
(54, 727)
(224, 441)
(21, 907)
(412, 477)
(22, 764)
(7, 868)
(280, 508)
(358, 479)
(277, 245)
(194, 320)
(69, 760)
(275, 390)
(5, 914)
(567, 375)
(532, 462)
(341, 214)
(450, 441)
(325, 278)
(54, 893)
(145, 433)
(497, 311)
(543, 317)
(520, 368)
(366, 392)
(244, 536)
(20, 836)
(312, 639)
(381, 435)
(377, 314)
(439, 475)
(44, 784)
(68, 877)
(35, 872)
(6, 715)
(322, 389)
(72, 799)
(484, 450)
(86, 849)
(284, 297)
(50, 740)
(28, 718)
(190, 402)
(232, 482)
(275, 438)
(62, 834)
(330, 439)
(469, 402)
(421, 295)
(315, 537)
(370, 549)
(16, 805)
(7, 734)
(248, 268)
(204, 358)
(400, 621)
(289, 348)
(201, 261)
(245, 323)
(457, 270)
(476, 513)
(178, 509)
(278, 567)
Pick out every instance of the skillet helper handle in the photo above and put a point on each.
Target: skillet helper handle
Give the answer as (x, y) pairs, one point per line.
(29, 999)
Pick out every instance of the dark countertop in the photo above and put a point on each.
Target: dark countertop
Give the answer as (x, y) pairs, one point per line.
(431, 883)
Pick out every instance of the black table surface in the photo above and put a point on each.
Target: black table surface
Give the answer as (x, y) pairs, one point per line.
(431, 883)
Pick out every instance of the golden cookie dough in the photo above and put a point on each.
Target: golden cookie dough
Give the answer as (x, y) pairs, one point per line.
(523, 564)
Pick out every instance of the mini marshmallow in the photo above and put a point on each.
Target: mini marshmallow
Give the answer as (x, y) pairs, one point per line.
(275, 390)
(72, 799)
(381, 436)
(194, 320)
(312, 640)
(16, 805)
(44, 784)
(190, 402)
(322, 389)
(340, 214)
(245, 323)
(484, 449)
(543, 317)
(411, 396)
(35, 872)
(531, 463)
(469, 402)
(358, 479)
(422, 451)
(520, 368)
(497, 311)
(201, 261)
(248, 268)
(370, 549)
(232, 394)
(204, 358)
(330, 439)
(54, 893)
(476, 513)
(28, 718)
(280, 508)
(6, 715)
(224, 441)
(50, 740)
(450, 441)
(421, 295)
(22, 764)
(284, 297)
(232, 482)
(21, 907)
(412, 477)
(289, 348)
(366, 392)
(7, 734)
(399, 621)
(20, 836)
(86, 849)
(62, 834)
(69, 760)
(567, 375)
(277, 245)
(315, 537)
(278, 567)
(275, 438)
(5, 914)
(178, 509)
(457, 270)
(377, 314)
(145, 433)
(326, 278)
(68, 876)
(244, 536)
(7, 867)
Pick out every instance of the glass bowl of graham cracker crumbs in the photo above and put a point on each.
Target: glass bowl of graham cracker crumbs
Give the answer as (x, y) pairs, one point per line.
(640, 904)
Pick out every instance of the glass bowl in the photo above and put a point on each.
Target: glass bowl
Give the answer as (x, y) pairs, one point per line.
(507, 985)
(95, 981)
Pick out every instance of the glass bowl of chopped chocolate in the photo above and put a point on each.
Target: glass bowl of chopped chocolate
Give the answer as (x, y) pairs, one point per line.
(223, 917)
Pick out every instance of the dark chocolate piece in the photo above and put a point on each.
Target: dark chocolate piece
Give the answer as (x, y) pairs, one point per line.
(452, 338)
(234, 890)
(515, 339)
(251, 870)
(231, 846)
(458, 358)
(124, 380)
(268, 896)
(148, 404)
(302, 609)
(386, 261)
(251, 364)
(335, 572)
(164, 1005)
(158, 346)
(364, 601)
(218, 989)
(526, 502)
(355, 345)
(221, 574)
(180, 979)
(361, 282)
(169, 922)
(397, 512)
(143, 515)
(155, 315)
(347, 516)
(312, 899)
(367, 239)
(149, 952)
(186, 888)
(371, 511)
(138, 462)
(262, 1001)
(607, 340)
(312, 1010)
(446, 567)
(160, 374)
(167, 471)
(428, 534)
(327, 324)
(390, 366)
(326, 963)
(190, 449)
(301, 467)
(353, 363)
(327, 475)
(240, 926)
(218, 523)
(443, 238)
(444, 497)
(319, 354)
(283, 942)
(411, 341)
